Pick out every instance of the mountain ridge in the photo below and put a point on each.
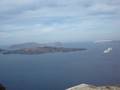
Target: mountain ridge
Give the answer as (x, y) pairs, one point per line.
(34, 44)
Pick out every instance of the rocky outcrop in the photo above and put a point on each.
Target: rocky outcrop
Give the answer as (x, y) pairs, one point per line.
(92, 87)
(2, 87)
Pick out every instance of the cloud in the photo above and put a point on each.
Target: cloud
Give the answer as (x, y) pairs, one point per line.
(48, 19)
(31, 9)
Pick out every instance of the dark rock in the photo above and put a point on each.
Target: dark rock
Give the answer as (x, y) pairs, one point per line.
(2, 87)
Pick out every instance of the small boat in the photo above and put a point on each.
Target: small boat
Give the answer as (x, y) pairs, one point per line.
(108, 50)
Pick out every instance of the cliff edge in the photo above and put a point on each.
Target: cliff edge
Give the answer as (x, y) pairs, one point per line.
(92, 87)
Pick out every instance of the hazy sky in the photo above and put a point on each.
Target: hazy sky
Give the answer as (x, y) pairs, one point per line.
(58, 20)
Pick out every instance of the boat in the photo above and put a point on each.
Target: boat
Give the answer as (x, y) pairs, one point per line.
(108, 50)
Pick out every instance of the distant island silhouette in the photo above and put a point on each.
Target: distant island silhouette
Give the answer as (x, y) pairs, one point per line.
(35, 48)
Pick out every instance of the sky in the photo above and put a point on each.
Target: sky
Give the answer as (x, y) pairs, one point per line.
(58, 20)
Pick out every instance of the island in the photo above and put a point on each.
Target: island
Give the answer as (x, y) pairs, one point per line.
(42, 50)
(1, 50)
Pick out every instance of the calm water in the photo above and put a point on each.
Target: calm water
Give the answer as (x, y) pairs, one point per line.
(59, 71)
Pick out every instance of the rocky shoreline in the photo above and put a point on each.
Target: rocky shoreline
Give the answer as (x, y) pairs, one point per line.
(92, 87)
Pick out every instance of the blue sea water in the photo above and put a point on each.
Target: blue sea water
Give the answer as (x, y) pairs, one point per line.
(58, 71)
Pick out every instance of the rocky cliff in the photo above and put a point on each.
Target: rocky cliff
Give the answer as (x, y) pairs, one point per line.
(92, 87)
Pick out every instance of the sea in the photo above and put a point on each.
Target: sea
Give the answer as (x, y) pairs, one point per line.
(59, 71)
